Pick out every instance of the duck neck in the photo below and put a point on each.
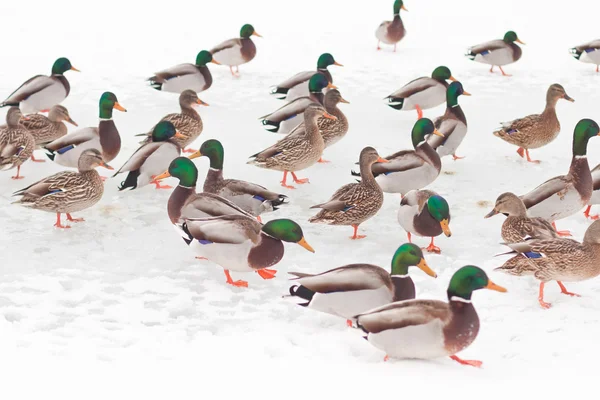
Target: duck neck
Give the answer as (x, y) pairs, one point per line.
(366, 173)
(404, 287)
(188, 109)
(550, 104)
(214, 179)
(177, 200)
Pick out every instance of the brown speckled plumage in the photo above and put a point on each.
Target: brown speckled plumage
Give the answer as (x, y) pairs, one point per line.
(47, 129)
(16, 143)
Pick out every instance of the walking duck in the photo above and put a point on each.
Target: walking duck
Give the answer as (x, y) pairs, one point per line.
(391, 32)
(182, 77)
(588, 53)
(497, 52)
(16, 143)
(46, 129)
(235, 52)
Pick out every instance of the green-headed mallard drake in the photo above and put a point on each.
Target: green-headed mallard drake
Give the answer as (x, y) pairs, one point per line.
(410, 169)
(250, 197)
(42, 92)
(290, 115)
(557, 259)
(67, 192)
(518, 227)
(426, 329)
(349, 290)
(497, 52)
(297, 85)
(588, 53)
(453, 124)
(565, 195)
(595, 199)
(105, 138)
(422, 93)
(151, 159)
(391, 32)
(536, 130)
(183, 77)
(47, 129)
(425, 213)
(235, 52)
(16, 143)
(241, 243)
(354, 203)
(295, 152)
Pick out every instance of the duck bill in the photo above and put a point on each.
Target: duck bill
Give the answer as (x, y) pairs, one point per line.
(195, 155)
(453, 79)
(202, 103)
(465, 93)
(383, 160)
(179, 135)
(256, 34)
(305, 244)
(438, 133)
(215, 62)
(492, 286)
(568, 98)
(338, 64)
(119, 107)
(69, 120)
(342, 100)
(404, 8)
(445, 228)
(491, 213)
(519, 41)
(105, 165)
(425, 268)
(331, 86)
(164, 175)
(329, 116)
(75, 69)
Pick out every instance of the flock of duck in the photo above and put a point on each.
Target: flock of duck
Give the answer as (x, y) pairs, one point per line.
(223, 222)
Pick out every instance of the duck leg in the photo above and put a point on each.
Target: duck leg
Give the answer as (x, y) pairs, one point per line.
(597, 68)
(587, 214)
(378, 47)
(356, 235)
(492, 68)
(69, 218)
(323, 161)
(299, 181)
(239, 283)
(455, 157)
(386, 358)
(503, 73)
(541, 297)
(58, 224)
(283, 182)
(266, 273)
(409, 237)
(521, 152)
(349, 323)
(564, 290)
(36, 159)
(473, 363)
(419, 111)
(258, 218)
(432, 248)
(561, 233)
(394, 47)
(529, 158)
(158, 185)
(17, 176)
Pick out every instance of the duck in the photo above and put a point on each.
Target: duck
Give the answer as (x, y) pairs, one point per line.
(497, 52)
(241, 243)
(67, 192)
(355, 288)
(565, 195)
(556, 259)
(518, 227)
(284, 119)
(536, 130)
(252, 198)
(151, 159)
(354, 203)
(588, 53)
(595, 193)
(47, 129)
(182, 77)
(16, 143)
(422, 93)
(428, 329)
(40, 93)
(67, 150)
(392, 32)
(410, 169)
(297, 85)
(235, 52)
(425, 213)
(295, 152)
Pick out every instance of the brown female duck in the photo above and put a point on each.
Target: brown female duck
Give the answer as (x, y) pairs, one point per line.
(47, 129)
(16, 143)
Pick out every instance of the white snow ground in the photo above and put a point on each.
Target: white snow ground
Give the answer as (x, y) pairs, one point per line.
(118, 306)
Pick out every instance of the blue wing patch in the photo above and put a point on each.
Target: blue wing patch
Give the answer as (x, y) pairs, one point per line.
(65, 149)
(259, 198)
(483, 53)
(204, 241)
(590, 50)
(531, 254)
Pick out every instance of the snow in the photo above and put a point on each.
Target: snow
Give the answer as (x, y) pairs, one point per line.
(119, 306)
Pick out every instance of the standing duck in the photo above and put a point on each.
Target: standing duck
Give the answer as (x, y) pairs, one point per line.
(497, 52)
(297, 85)
(391, 32)
(67, 192)
(425, 213)
(349, 290)
(354, 203)
(588, 53)
(235, 52)
(295, 152)
(67, 150)
(422, 93)
(16, 143)
(595, 193)
(46, 129)
(453, 124)
(565, 195)
(42, 92)
(196, 77)
(427, 329)
(536, 130)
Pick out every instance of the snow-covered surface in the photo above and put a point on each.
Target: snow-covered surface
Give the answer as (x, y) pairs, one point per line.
(119, 305)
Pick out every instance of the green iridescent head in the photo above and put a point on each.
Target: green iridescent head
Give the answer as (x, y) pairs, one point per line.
(183, 169)
(511, 36)
(163, 131)
(468, 279)
(287, 231)
(61, 66)
(203, 58)
(213, 149)
(442, 73)
(440, 211)
(108, 102)
(325, 60)
(409, 255)
(454, 90)
(421, 129)
(399, 4)
(584, 131)
(247, 31)
(318, 82)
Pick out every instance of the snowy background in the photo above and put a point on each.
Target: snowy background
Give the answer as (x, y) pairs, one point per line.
(118, 305)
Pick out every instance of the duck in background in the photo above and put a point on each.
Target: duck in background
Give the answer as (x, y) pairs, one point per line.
(181, 77)
(238, 51)
(47, 129)
(392, 32)
(497, 52)
(588, 53)
(16, 143)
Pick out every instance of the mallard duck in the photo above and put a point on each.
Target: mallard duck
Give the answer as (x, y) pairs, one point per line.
(556, 259)
(588, 53)
(536, 130)
(410, 169)
(46, 129)
(297, 85)
(349, 290)
(16, 143)
(290, 115)
(426, 329)
(595, 193)
(565, 195)
(42, 92)
(391, 32)
(518, 227)
(67, 192)
(67, 150)
(151, 159)
(295, 152)
(235, 52)
(453, 124)
(497, 52)
(422, 93)
(354, 203)
(425, 213)
(183, 77)
(241, 243)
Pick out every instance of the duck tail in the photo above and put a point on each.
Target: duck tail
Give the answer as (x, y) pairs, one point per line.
(470, 55)
(575, 53)
(188, 236)
(303, 293)
(282, 199)
(50, 154)
(271, 126)
(279, 92)
(9, 104)
(130, 181)
(154, 83)
(395, 102)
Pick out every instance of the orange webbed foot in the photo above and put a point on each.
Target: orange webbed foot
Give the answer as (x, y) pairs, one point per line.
(37, 159)
(322, 161)
(266, 273)
(70, 218)
(358, 237)
(349, 323)
(473, 363)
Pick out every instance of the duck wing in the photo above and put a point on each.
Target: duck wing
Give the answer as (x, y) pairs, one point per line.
(414, 86)
(31, 86)
(344, 279)
(401, 161)
(485, 47)
(139, 157)
(545, 190)
(73, 138)
(174, 72)
(231, 229)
